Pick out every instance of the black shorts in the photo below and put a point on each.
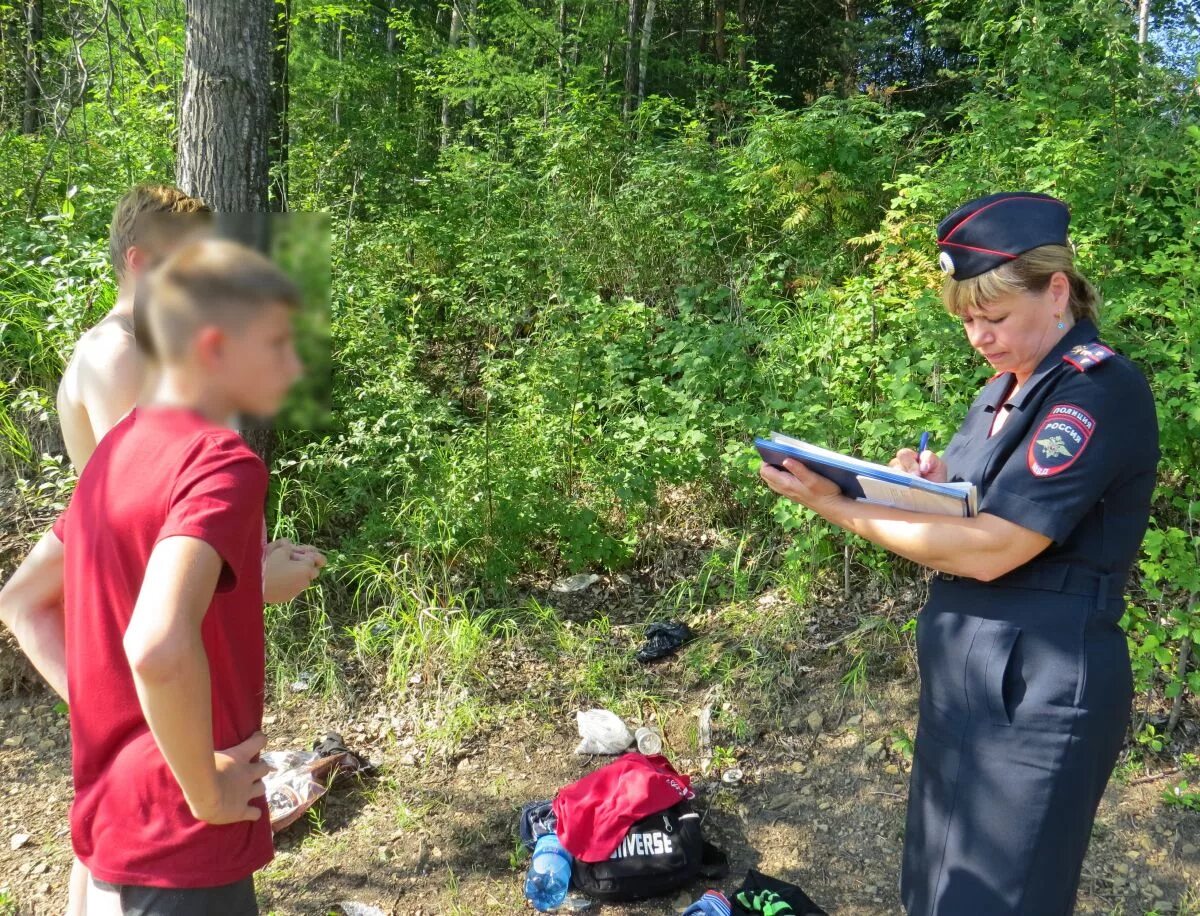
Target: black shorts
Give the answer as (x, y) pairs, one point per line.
(235, 899)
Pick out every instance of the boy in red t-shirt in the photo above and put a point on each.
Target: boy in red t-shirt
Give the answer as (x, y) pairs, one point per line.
(144, 604)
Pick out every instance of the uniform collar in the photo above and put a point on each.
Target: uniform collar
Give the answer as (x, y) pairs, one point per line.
(1083, 331)
(997, 387)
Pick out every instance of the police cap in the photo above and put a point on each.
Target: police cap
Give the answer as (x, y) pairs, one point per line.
(989, 231)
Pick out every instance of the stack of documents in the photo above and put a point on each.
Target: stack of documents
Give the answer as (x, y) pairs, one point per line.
(873, 483)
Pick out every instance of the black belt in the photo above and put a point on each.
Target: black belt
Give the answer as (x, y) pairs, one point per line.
(1055, 577)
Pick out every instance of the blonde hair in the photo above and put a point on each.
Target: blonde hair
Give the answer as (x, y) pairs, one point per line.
(1028, 273)
(208, 282)
(144, 209)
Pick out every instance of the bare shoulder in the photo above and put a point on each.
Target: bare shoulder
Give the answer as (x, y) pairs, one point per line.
(105, 359)
(102, 382)
(109, 345)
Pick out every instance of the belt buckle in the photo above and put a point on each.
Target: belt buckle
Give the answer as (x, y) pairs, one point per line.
(945, 577)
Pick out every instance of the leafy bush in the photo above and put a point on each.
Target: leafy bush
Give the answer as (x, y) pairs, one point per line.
(550, 318)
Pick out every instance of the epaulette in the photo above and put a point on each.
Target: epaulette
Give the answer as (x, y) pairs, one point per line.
(1087, 356)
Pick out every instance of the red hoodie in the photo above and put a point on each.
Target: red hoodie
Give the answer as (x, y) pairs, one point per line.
(595, 813)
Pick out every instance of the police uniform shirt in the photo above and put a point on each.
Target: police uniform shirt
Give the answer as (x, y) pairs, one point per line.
(1075, 460)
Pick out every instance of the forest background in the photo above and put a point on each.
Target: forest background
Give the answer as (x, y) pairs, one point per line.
(581, 253)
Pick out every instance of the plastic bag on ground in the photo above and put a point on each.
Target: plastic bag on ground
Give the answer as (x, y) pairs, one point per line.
(291, 788)
(602, 732)
(354, 908)
(664, 638)
(299, 778)
(579, 583)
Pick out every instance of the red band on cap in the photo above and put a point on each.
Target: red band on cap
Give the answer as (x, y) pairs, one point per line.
(1003, 254)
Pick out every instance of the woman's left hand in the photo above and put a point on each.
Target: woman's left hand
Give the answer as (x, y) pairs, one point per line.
(802, 486)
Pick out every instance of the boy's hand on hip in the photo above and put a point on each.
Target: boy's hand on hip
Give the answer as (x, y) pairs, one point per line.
(238, 780)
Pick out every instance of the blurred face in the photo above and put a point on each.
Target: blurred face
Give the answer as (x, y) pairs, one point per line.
(255, 367)
(1015, 332)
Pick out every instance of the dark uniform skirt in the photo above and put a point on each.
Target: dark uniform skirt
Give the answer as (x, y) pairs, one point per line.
(1025, 699)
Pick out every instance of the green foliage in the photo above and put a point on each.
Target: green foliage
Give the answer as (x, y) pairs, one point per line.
(555, 322)
(1151, 739)
(53, 285)
(1182, 795)
(1185, 794)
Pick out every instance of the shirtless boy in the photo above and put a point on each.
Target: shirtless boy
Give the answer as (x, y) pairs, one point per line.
(107, 374)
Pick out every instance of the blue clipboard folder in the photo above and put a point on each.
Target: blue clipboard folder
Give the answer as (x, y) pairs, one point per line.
(873, 483)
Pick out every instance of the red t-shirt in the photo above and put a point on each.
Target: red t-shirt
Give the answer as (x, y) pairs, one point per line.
(160, 472)
(595, 812)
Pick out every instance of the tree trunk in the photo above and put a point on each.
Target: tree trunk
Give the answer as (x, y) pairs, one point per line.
(849, 62)
(743, 35)
(225, 112)
(337, 94)
(644, 57)
(1143, 28)
(562, 46)
(278, 153)
(31, 116)
(452, 46)
(391, 40)
(1185, 656)
(719, 44)
(578, 32)
(606, 69)
(472, 45)
(225, 127)
(631, 56)
(12, 68)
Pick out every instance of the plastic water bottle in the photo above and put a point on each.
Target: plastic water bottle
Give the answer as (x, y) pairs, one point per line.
(549, 874)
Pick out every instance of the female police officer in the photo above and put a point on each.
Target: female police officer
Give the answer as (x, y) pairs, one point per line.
(1025, 680)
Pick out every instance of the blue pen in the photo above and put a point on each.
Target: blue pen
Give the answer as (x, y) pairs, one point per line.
(924, 444)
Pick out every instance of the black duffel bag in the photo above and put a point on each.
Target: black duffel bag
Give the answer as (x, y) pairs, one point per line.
(660, 854)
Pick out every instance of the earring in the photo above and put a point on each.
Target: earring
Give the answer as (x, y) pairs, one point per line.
(1060, 322)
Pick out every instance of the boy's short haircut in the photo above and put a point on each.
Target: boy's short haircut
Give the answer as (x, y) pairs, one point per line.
(144, 216)
(207, 282)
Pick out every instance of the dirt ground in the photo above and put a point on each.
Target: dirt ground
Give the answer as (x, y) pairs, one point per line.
(821, 804)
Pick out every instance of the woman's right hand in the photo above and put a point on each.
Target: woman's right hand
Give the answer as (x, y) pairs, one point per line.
(926, 465)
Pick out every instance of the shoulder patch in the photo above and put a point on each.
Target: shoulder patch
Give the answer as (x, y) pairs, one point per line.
(1059, 440)
(1086, 356)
